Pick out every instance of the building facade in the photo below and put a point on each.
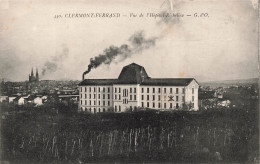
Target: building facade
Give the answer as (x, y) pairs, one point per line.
(134, 89)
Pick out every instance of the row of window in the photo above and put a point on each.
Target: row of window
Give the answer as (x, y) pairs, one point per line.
(117, 97)
(133, 90)
(101, 110)
(94, 96)
(125, 91)
(159, 98)
(159, 105)
(94, 89)
(94, 110)
(133, 97)
(164, 90)
(94, 103)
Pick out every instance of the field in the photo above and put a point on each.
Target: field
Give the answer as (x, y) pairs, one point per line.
(47, 135)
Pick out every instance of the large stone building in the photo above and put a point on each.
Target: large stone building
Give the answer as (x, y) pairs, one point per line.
(134, 88)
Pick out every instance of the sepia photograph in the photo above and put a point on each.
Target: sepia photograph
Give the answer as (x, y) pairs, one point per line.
(129, 81)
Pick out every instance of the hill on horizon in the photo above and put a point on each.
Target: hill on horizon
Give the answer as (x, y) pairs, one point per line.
(231, 82)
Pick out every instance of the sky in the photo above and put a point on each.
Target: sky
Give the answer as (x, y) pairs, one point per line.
(222, 46)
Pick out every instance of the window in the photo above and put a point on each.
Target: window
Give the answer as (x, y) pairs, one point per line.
(164, 105)
(142, 90)
(177, 105)
(147, 90)
(119, 90)
(147, 104)
(94, 89)
(95, 111)
(130, 97)
(159, 105)
(89, 89)
(94, 102)
(85, 102)
(94, 96)
(90, 110)
(183, 90)
(85, 89)
(192, 90)
(104, 96)
(153, 90)
(159, 98)
(81, 102)
(177, 90)
(98, 102)
(104, 89)
(125, 93)
(85, 96)
(134, 97)
(115, 97)
(104, 103)
(104, 110)
(192, 98)
(124, 101)
(142, 104)
(153, 97)
(130, 90)
(98, 96)
(108, 89)
(89, 96)
(153, 105)
(134, 90)
(119, 97)
(170, 105)
(119, 108)
(142, 97)
(170, 90)
(183, 98)
(108, 96)
(147, 97)
(115, 90)
(98, 89)
(99, 110)
(159, 90)
(89, 102)
(164, 90)
(177, 98)
(115, 108)
(108, 103)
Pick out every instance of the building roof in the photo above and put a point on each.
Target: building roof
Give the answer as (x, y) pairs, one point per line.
(132, 74)
(17, 98)
(167, 81)
(136, 74)
(98, 82)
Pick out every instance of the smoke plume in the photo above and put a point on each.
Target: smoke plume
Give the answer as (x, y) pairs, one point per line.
(137, 43)
(52, 65)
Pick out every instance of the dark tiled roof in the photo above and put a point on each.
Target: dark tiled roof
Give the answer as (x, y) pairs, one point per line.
(136, 74)
(167, 81)
(17, 98)
(132, 74)
(98, 82)
(155, 82)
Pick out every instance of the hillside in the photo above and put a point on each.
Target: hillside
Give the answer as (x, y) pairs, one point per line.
(230, 82)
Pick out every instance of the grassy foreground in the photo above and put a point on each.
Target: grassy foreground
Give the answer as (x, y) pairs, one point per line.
(45, 135)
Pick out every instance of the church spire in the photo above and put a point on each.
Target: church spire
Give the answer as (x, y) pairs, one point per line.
(32, 72)
(37, 75)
